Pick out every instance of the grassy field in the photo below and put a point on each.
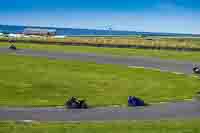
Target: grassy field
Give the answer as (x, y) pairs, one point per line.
(144, 41)
(189, 126)
(163, 54)
(29, 81)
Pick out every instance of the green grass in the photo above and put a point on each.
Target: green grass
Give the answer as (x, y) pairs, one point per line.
(29, 81)
(189, 126)
(163, 54)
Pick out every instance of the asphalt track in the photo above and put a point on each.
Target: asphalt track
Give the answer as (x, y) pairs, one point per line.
(177, 110)
(181, 110)
(147, 62)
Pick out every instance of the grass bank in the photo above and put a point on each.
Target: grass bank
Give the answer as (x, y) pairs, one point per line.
(163, 54)
(189, 126)
(139, 41)
(29, 81)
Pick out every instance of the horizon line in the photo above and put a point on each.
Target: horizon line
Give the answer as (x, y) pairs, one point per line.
(59, 27)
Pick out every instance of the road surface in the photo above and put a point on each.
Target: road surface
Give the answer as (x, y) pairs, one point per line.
(180, 110)
(147, 62)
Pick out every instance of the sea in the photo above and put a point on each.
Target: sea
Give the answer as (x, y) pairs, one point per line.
(85, 32)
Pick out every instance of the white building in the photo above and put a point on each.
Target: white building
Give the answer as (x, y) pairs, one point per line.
(15, 35)
(58, 36)
(37, 31)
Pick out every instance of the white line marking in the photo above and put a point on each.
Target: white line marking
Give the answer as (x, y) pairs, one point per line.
(178, 73)
(156, 69)
(26, 121)
(195, 76)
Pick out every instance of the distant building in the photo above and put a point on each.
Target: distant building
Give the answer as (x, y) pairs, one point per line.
(42, 32)
(14, 35)
(59, 36)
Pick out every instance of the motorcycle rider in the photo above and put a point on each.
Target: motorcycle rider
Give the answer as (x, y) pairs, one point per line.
(75, 103)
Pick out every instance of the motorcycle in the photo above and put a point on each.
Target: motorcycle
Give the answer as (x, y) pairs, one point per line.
(74, 103)
(135, 101)
(196, 69)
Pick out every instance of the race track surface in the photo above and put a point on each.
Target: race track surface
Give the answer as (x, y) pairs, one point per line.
(181, 110)
(178, 110)
(147, 62)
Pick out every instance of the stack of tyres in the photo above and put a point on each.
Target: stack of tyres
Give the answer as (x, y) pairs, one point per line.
(13, 47)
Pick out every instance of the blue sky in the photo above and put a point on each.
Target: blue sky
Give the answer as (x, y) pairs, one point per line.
(181, 16)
